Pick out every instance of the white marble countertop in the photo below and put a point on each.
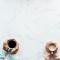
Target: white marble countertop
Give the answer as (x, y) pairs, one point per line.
(34, 22)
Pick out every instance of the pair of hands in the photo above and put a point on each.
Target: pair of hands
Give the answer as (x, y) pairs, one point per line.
(10, 57)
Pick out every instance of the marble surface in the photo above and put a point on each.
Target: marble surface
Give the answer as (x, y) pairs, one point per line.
(34, 22)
